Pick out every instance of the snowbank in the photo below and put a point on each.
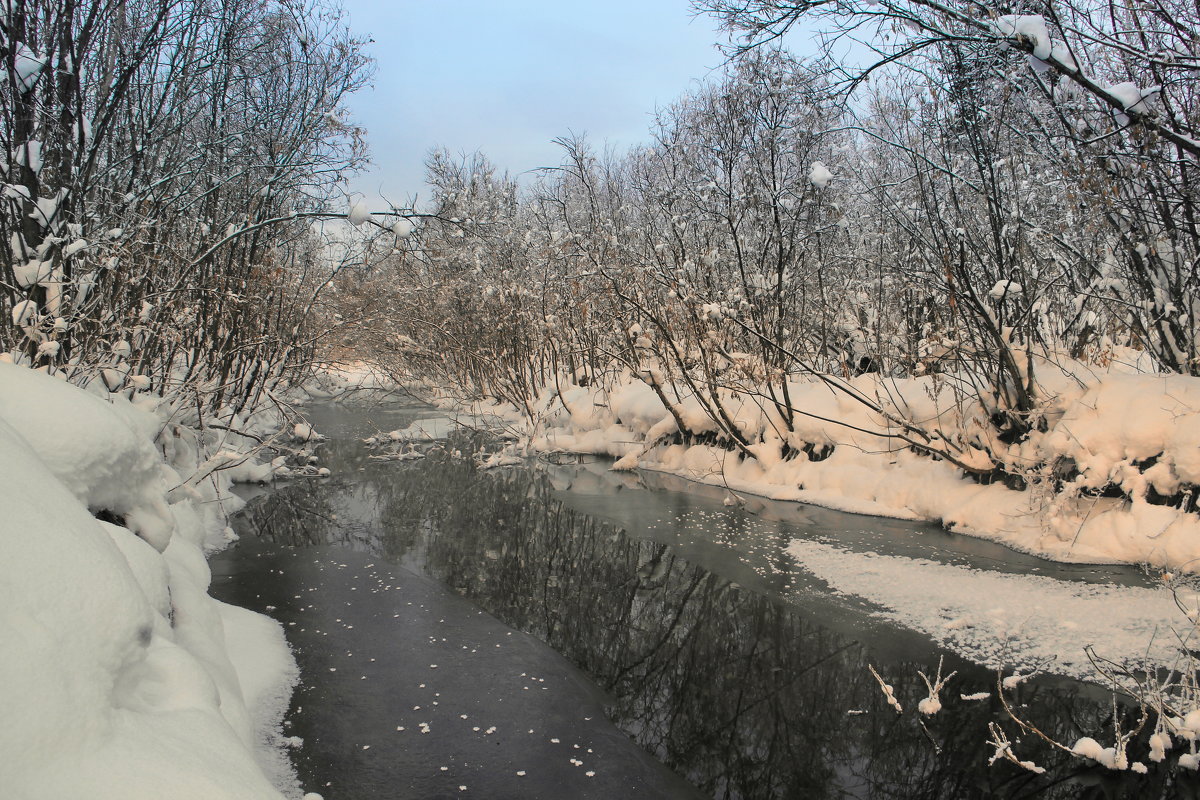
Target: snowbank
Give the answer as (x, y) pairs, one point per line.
(1112, 479)
(119, 676)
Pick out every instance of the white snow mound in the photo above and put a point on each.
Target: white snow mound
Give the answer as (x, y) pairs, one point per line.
(120, 677)
(101, 451)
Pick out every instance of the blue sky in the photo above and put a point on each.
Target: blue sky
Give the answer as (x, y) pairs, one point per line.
(507, 77)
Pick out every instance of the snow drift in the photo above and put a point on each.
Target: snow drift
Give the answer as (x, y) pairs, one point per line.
(120, 677)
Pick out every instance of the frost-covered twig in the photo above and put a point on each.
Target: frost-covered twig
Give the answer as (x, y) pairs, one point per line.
(933, 703)
(888, 692)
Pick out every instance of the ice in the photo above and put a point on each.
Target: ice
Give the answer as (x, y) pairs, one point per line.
(1019, 620)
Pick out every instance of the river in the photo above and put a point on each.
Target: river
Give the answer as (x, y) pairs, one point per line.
(562, 631)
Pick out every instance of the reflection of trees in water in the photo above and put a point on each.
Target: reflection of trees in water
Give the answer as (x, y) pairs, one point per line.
(744, 696)
(292, 515)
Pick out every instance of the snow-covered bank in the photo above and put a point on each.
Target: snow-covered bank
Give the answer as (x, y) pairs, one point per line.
(1109, 477)
(119, 675)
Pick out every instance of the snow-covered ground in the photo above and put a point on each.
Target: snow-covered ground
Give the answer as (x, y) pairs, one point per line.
(120, 677)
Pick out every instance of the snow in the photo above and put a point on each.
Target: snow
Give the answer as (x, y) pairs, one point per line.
(28, 66)
(120, 676)
(819, 176)
(1090, 748)
(1127, 419)
(402, 228)
(1030, 27)
(347, 381)
(1132, 97)
(101, 451)
(1015, 622)
(30, 155)
(1160, 743)
(1003, 289)
(74, 247)
(303, 432)
(24, 312)
(1137, 432)
(929, 706)
(424, 430)
(359, 213)
(32, 272)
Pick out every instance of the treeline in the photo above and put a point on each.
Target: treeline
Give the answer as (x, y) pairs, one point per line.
(990, 197)
(163, 161)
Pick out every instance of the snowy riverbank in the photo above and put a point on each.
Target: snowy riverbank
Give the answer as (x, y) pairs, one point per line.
(120, 676)
(1111, 477)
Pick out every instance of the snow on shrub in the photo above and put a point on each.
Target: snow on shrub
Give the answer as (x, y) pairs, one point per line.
(1126, 422)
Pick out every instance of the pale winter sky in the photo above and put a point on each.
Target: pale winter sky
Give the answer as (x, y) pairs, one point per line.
(507, 77)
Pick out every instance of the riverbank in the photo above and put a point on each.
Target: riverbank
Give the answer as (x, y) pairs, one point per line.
(120, 675)
(1109, 476)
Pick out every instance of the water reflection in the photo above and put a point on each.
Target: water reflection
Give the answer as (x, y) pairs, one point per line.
(743, 693)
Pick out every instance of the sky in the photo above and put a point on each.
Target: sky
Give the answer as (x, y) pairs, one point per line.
(507, 77)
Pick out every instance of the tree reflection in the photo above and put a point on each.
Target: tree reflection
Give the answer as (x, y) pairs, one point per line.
(745, 695)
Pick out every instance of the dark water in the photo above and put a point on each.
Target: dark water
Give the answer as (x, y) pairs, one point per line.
(555, 599)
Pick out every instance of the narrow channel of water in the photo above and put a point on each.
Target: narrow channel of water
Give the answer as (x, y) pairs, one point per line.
(623, 598)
